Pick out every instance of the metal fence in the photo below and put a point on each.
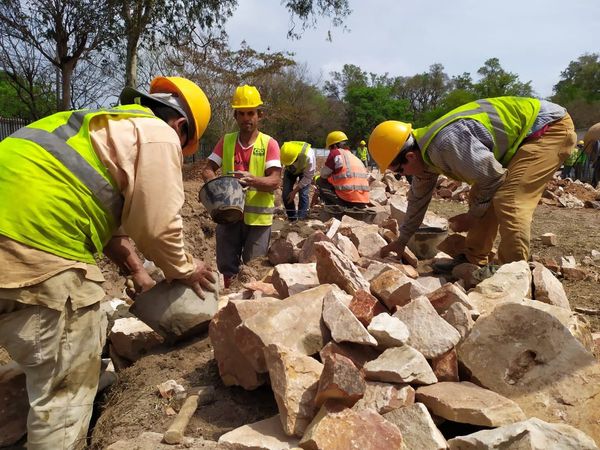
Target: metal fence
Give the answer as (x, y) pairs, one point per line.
(9, 125)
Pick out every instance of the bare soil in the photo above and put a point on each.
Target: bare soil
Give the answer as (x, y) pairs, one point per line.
(133, 405)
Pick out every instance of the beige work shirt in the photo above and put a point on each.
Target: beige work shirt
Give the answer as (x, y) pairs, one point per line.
(144, 157)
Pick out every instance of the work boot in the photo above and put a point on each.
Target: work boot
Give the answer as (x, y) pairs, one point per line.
(447, 266)
(227, 279)
(485, 272)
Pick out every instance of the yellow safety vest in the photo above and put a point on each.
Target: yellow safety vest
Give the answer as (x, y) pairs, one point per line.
(259, 206)
(362, 153)
(508, 119)
(55, 193)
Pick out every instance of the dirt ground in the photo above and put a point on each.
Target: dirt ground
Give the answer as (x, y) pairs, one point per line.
(133, 405)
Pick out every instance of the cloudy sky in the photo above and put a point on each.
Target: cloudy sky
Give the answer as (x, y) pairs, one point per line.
(533, 38)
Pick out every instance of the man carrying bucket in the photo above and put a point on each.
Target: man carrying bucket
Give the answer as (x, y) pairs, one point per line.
(69, 184)
(300, 162)
(253, 157)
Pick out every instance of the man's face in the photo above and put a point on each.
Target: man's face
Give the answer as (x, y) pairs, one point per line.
(410, 163)
(247, 119)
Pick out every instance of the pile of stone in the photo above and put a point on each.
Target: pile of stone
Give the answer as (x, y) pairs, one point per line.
(367, 353)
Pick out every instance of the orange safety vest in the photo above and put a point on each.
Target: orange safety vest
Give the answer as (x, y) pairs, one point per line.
(351, 183)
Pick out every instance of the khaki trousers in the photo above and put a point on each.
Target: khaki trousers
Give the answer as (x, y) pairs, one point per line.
(511, 209)
(59, 351)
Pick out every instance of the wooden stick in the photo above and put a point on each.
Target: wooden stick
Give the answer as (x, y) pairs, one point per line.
(174, 435)
(591, 312)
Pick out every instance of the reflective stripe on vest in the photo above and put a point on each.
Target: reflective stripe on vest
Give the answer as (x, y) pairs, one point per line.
(56, 195)
(259, 206)
(505, 144)
(351, 183)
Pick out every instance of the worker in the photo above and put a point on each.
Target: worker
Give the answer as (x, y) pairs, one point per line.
(507, 148)
(591, 147)
(363, 153)
(74, 185)
(568, 169)
(344, 180)
(253, 157)
(299, 161)
(580, 163)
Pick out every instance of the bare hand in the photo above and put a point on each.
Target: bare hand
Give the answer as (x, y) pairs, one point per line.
(202, 277)
(395, 246)
(139, 281)
(461, 222)
(291, 196)
(246, 178)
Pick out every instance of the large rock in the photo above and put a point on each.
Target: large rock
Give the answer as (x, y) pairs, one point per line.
(365, 306)
(358, 354)
(400, 365)
(340, 380)
(367, 240)
(429, 333)
(240, 332)
(290, 279)
(417, 427)
(282, 251)
(511, 282)
(154, 441)
(334, 267)
(294, 379)
(131, 338)
(307, 252)
(234, 366)
(345, 245)
(264, 435)
(335, 428)
(468, 403)
(532, 434)
(450, 293)
(385, 397)
(389, 331)
(390, 283)
(460, 318)
(547, 288)
(344, 326)
(527, 352)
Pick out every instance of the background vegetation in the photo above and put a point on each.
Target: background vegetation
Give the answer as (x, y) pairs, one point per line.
(63, 54)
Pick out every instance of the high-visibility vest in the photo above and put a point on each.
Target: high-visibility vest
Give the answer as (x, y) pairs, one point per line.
(351, 183)
(55, 193)
(301, 161)
(259, 206)
(362, 153)
(508, 119)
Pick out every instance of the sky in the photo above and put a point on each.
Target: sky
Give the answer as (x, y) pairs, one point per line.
(534, 39)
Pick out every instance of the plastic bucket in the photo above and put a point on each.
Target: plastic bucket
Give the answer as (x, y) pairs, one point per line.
(425, 241)
(223, 197)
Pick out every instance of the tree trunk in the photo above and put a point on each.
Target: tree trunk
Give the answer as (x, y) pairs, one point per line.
(131, 59)
(67, 75)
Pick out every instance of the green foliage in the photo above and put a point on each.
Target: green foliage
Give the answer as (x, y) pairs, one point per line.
(496, 82)
(370, 105)
(580, 80)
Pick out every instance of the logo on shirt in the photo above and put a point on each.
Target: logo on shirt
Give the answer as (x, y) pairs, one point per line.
(258, 151)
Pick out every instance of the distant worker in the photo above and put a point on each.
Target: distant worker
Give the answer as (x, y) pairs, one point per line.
(253, 157)
(343, 180)
(507, 148)
(71, 185)
(568, 169)
(580, 163)
(363, 153)
(299, 161)
(591, 147)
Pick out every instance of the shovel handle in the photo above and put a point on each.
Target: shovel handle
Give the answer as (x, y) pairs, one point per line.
(175, 433)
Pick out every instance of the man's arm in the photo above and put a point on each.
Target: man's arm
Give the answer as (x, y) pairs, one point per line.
(268, 183)
(210, 170)
(122, 252)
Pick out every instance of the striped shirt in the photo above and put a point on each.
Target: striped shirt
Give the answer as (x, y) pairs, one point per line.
(464, 150)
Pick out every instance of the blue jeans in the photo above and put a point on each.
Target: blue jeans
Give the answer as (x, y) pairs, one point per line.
(289, 180)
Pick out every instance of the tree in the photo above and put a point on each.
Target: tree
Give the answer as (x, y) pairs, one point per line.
(580, 80)
(368, 106)
(62, 31)
(154, 23)
(579, 90)
(340, 82)
(496, 82)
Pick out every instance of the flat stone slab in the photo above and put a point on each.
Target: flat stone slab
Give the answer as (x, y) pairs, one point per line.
(417, 427)
(400, 365)
(265, 435)
(533, 434)
(466, 402)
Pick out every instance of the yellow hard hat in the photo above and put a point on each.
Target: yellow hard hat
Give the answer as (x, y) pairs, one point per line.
(580, 142)
(198, 113)
(290, 151)
(334, 137)
(246, 97)
(387, 140)
(362, 143)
